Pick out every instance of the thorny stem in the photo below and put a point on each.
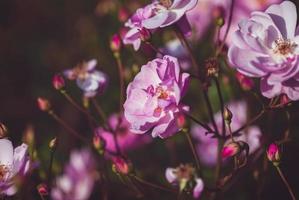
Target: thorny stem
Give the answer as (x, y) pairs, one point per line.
(194, 152)
(227, 28)
(67, 127)
(153, 185)
(286, 183)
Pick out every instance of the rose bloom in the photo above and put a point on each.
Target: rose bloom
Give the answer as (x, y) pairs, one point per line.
(202, 16)
(78, 179)
(266, 46)
(153, 98)
(89, 80)
(13, 163)
(207, 146)
(126, 139)
(158, 14)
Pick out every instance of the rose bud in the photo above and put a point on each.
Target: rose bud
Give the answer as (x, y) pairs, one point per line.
(43, 189)
(273, 154)
(99, 143)
(228, 115)
(121, 166)
(58, 82)
(218, 14)
(43, 104)
(145, 34)
(284, 100)
(115, 43)
(3, 131)
(231, 149)
(123, 14)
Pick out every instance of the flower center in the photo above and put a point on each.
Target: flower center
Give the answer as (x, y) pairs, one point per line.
(184, 172)
(284, 47)
(166, 3)
(3, 171)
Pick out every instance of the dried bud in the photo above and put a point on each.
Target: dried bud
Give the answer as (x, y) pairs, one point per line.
(43, 189)
(212, 67)
(123, 14)
(99, 143)
(58, 82)
(145, 34)
(245, 82)
(231, 149)
(121, 166)
(53, 143)
(43, 104)
(228, 115)
(273, 154)
(3, 131)
(115, 43)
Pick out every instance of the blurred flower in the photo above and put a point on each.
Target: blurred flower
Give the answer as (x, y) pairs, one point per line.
(88, 79)
(273, 153)
(3, 130)
(245, 82)
(125, 138)
(58, 82)
(153, 98)
(266, 46)
(176, 49)
(168, 12)
(43, 189)
(13, 162)
(115, 43)
(200, 17)
(185, 176)
(43, 104)
(207, 146)
(78, 179)
(123, 14)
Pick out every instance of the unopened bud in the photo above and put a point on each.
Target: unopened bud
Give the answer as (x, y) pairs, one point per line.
(284, 100)
(273, 154)
(228, 115)
(115, 43)
(231, 149)
(3, 131)
(245, 82)
(43, 104)
(28, 135)
(121, 166)
(212, 67)
(99, 143)
(53, 143)
(43, 189)
(181, 120)
(145, 34)
(123, 14)
(218, 14)
(58, 82)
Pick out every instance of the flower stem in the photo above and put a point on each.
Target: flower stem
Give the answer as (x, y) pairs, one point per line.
(77, 106)
(210, 110)
(121, 80)
(194, 152)
(99, 109)
(221, 105)
(50, 170)
(67, 127)
(286, 183)
(205, 126)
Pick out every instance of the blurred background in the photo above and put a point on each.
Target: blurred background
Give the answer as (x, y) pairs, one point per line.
(41, 38)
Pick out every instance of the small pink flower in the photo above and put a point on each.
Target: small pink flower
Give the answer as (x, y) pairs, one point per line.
(115, 43)
(121, 166)
(266, 46)
(273, 153)
(58, 82)
(153, 98)
(43, 104)
(123, 14)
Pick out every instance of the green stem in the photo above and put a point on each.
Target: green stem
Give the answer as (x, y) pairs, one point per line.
(286, 183)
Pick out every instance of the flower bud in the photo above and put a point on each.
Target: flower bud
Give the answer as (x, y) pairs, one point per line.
(123, 14)
(115, 43)
(43, 189)
(58, 82)
(181, 120)
(273, 154)
(99, 143)
(29, 136)
(231, 149)
(43, 104)
(3, 131)
(228, 115)
(218, 14)
(245, 82)
(145, 34)
(121, 166)
(53, 143)
(284, 100)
